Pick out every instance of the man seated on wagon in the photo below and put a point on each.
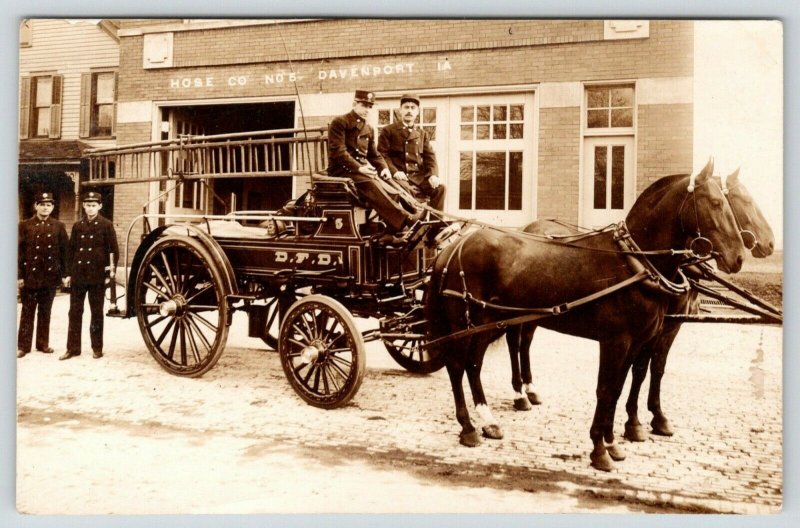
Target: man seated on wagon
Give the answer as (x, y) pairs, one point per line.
(407, 150)
(352, 154)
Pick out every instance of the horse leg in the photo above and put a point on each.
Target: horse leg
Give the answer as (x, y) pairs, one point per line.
(490, 427)
(633, 427)
(455, 369)
(526, 337)
(660, 423)
(513, 335)
(614, 364)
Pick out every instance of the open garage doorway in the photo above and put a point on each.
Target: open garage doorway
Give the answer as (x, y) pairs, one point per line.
(229, 193)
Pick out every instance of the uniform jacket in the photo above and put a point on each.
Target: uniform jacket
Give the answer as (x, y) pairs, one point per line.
(351, 144)
(42, 252)
(408, 151)
(90, 245)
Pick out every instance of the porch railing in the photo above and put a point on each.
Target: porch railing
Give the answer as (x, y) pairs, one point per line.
(284, 152)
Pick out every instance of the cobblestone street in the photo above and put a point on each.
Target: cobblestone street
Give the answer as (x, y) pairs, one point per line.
(81, 424)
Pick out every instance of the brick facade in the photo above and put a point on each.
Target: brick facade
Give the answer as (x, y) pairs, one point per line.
(337, 56)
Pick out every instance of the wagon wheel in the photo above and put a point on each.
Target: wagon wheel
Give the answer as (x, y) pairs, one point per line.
(322, 351)
(181, 306)
(411, 356)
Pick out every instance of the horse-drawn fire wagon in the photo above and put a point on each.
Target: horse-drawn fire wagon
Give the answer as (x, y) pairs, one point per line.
(301, 274)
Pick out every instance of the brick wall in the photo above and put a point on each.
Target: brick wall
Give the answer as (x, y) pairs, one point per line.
(664, 142)
(559, 163)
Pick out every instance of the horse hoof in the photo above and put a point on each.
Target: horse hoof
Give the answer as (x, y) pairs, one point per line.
(470, 439)
(493, 432)
(635, 433)
(522, 404)
(615, 452)
(601, 461)
(534, 398)
(661, 427)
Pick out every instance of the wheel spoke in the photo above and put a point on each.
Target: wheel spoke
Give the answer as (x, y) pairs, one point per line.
(158, 292)
(311, 333)
(168, 271)
(195, 294)
(151, 324)
(199, 332)
(337, 360)
(192, 342)
(298, 343)
(173, 341)
(203, 307)
(203, 320)
(338, 368)
(302, 333)
(162, 280)
(183, 344)
(317, 372)
(178, 271)
(165, 332)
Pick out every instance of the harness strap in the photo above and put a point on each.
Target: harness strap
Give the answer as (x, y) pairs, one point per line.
(533, 313)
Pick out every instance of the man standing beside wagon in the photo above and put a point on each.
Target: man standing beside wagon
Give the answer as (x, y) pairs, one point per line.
(91, 264)
(41, 265)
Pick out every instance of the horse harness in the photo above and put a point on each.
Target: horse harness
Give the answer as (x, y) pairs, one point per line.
(637, 259)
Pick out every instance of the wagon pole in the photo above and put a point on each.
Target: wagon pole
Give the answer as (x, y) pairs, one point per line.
(299, 106)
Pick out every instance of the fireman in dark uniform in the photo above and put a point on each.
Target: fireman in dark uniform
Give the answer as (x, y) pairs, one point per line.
(91, 264)
(409, 155)
(41, 266)
(352, 154)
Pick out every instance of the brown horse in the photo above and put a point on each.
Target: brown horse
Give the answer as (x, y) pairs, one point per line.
(759, 239)
(513, 271)
(757, 236)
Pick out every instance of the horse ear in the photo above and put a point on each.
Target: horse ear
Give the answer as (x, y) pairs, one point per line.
(707, 171)
(734, 176)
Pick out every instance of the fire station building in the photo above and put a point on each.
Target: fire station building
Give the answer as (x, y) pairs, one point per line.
(529, 118)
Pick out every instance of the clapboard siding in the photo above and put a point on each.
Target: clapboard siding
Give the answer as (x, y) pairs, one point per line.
(69, 49)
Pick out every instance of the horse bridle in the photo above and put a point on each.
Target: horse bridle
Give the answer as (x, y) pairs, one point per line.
(700, 245)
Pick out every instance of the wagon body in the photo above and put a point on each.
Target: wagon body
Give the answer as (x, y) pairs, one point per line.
(300, 273)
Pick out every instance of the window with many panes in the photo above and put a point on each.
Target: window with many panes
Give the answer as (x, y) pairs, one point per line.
(490, 166)
(609, 107)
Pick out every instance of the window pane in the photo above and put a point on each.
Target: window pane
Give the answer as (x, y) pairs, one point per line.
(490, 180)
(517, 112)
(622, 96)
(467, 114)
(598, 97)
(105, 88)
(500, 113)
(617, 177)
(483, 113)
(105, 117)
(431, 131)
(428, 115)
(465, 181)
(597, 118)
(482, 132)
(43, 121)
(600, 177)
(516, 130)
(499, 131)
(466, 131)
(515, 181)
(383, 117)
(44, 91)
(622, 118)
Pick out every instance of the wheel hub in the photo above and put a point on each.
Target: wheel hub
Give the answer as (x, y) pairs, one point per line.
(174, 307)
(312, 352)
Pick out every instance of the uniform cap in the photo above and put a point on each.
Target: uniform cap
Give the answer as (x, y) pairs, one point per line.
(45, 197)
(365, 97)
(92, 196)
(409, 97)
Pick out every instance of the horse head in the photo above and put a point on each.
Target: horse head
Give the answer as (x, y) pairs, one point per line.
(687, 211)
(706, 214)
(756, 232)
